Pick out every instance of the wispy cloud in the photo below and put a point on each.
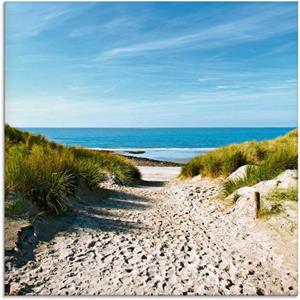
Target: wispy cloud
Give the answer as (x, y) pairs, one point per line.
(204, 79)
(222, 87)
(111, 27)
(249, 29)
(160, 64)
(211, 108)
(34, 18)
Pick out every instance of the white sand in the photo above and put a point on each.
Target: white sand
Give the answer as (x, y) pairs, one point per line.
(159, 173)
(171, 240)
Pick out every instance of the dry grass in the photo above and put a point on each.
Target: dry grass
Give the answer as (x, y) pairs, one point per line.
(275, 201)
(290, 194)
(279, 154)
(270, 157)
(48, 173)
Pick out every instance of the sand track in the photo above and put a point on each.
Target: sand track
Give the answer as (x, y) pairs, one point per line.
(159, 238)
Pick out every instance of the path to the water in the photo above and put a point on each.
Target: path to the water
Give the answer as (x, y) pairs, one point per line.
(160, 238)
(160, 174)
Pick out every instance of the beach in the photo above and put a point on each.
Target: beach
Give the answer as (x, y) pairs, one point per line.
(150, 148)
(89, 222)
(160, 237)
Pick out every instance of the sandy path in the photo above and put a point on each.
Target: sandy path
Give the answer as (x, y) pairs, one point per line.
(158, 174)
(155, 239)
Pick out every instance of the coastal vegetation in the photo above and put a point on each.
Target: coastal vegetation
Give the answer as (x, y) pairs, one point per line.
(274, 202)
(289, 194)
(267, 159)
(48, 174)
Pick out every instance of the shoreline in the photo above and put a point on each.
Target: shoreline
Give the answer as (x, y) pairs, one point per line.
(148, 162)
(158, 156)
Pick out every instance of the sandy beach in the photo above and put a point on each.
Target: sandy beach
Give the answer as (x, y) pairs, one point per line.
(162, 237)
(150, 148)
(160, 174)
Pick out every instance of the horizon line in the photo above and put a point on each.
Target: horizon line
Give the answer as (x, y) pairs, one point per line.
(186, 127)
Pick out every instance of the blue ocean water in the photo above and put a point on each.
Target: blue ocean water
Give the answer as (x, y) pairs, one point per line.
(158, 143)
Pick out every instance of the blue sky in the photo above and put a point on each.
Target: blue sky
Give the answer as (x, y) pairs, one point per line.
(151, 64)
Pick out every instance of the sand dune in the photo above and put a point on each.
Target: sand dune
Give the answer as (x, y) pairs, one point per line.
(174, 239)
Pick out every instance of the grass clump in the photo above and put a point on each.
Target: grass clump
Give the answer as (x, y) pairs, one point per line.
(290, 194)
(87, 172)
(270, 158)
(48, 173)
(253, 175)
(121, 167)
(236, 197)
(275, 201)
(274, 209)
(278, 155)
(40, 176)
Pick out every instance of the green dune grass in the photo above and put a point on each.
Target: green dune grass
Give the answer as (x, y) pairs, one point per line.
(48, 173)
(271, 157)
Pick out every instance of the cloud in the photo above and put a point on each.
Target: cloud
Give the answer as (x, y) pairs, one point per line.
(108, 111)
(112, 27)
(257, 27)
(25, 20)
(204, 79)
(286, 47)
(52, 52)
(82, 31)
(221, 87)
(31, 20)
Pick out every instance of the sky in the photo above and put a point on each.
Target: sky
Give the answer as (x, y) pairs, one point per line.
(151, 64)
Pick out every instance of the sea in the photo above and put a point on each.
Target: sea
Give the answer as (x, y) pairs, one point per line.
(171, 144)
